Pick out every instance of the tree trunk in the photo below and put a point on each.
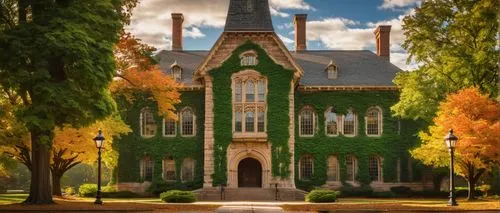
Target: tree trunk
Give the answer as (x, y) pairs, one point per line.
(56, 184)
(472, 189)
(40, 190)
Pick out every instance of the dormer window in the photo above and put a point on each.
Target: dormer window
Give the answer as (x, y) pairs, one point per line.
(332, 70)
(249, 58)
(176, 71)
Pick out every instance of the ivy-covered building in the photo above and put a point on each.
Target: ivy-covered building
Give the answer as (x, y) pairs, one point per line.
(257, 115)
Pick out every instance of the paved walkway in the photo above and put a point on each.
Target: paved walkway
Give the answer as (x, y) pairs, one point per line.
(250, 207)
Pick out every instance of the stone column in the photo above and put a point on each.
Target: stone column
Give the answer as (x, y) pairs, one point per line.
(208, 166)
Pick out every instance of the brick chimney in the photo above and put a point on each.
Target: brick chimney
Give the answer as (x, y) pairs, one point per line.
(177, 20)
(300, 32)
(383, 40)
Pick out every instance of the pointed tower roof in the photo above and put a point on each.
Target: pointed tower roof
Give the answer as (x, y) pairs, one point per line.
(249, 15)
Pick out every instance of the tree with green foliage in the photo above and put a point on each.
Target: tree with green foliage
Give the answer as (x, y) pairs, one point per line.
(56, 59)
(455, 43)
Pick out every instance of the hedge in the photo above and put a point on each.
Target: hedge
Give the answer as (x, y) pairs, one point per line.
(177, 196)
(322, 196)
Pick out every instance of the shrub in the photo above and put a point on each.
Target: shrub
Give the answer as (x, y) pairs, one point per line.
(108, 189)
(177, 196)
(385, 194)
(120, 194)
(322, 196)
(69, 191)
(87, 190)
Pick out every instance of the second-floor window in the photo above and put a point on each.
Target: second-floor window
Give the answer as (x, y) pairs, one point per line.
(188, 126)
(148, 123)
(249, 103)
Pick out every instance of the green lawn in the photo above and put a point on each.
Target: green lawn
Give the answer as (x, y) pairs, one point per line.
(12, 198)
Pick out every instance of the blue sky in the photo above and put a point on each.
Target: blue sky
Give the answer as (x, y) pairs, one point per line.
(332, 24)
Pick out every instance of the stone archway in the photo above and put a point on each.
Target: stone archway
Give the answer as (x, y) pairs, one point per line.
(249, 173)
(238, 152)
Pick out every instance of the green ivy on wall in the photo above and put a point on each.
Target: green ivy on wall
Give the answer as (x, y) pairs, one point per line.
(279, 86)
(394, 143)
(132, 147)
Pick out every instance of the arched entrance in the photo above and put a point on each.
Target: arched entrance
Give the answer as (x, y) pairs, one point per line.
(249, 173)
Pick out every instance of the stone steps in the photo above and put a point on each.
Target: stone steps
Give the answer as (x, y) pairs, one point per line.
(250, 194)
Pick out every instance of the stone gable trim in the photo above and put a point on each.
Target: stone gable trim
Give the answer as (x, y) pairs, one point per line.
(203, 67)
(344, 88)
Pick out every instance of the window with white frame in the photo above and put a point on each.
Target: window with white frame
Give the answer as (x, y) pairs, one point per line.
(350, 123)
(187, 173)
(307, 120)
(332, 122)
(249, 58)
(148, 123)
(169, 127)
(351, 166)
(169, 168)
(188, 122)
(375, 168)
(306, 167)
(249, 102)
(177, 72)
(332, 70)
(147, 166)
(333, 171)
(374, 121)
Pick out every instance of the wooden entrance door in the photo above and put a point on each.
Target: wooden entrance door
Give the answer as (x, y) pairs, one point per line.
(249, 173)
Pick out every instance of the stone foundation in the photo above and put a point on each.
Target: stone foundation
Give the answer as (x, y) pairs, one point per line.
(139, 188)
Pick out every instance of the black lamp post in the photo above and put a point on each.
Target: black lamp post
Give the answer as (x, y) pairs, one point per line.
(451, 143)
(99, 141)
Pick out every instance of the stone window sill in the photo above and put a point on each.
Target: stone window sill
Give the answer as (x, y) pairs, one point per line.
(259, 137)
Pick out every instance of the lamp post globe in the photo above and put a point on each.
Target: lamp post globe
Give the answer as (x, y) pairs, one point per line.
(99, 142)
(451, 142)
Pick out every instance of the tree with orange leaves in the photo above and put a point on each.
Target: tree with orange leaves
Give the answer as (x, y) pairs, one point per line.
(139, 75)
(476, 121)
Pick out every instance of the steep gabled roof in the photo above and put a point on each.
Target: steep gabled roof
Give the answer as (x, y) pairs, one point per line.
(355, 68)
(249, 15)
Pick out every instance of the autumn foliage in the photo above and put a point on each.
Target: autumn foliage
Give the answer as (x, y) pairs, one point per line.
(140, 76)
(475, 119)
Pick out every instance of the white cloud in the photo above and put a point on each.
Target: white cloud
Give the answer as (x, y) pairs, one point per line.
(152, 22)
(286, 40)
(346, 34)
(393, 4)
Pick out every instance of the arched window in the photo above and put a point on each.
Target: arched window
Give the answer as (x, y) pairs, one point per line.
(148, 123)
(188, 122)
(249, 58)
(375, 168)
(374, 121)
(332, 70)
(307, 120)
(331, 122)
(350, 123)
(169, 126)
(176, 71)
(147, 166)
(351, 166)
(306, 167)
(333, 169)
(249, 103)
(169, 169)
(187, 173)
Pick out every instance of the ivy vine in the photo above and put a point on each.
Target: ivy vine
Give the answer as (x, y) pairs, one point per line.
(392, 145)
(132, 147)
(278, 119)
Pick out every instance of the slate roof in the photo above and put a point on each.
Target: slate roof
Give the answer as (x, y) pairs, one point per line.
(249, 15)
(355, 68)
(187, 60)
